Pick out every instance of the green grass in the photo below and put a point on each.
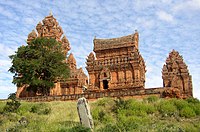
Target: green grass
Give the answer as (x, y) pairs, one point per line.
(110, 115)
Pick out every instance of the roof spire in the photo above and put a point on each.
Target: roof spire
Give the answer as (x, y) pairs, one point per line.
(136, 31)
(50, 13)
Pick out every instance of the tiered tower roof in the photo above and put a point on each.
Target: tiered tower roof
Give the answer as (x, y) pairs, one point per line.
(125, 41)
(50, 28)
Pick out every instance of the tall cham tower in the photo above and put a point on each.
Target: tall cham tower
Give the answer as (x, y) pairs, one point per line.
(175, 74)
(50, 28)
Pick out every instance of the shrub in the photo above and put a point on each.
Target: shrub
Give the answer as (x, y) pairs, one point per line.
(170, 128)
(152, 99)
(166, 108)
(41, 109)
(12, 96)
(131, 123)
(95, 114)
(121, 104)
(193, 100)
(187, 112)
(109, 128)
(191, 128)
(194, 104)
(101, 102)
(127, 122)
(24, 108)
(104, 101)
(180, 104)
(101, 116)
(13, 105)
(197, 109)
(2, 105)
(12, 129)
(1, 119)
(151, 109)
(102, 110)
(142, 108)
(132, 107)
(125, 113)
(78, 128)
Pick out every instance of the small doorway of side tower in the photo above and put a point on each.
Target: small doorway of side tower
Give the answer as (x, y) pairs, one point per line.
(105, 84)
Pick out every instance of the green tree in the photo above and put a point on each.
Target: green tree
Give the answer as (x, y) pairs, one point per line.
(38, 65)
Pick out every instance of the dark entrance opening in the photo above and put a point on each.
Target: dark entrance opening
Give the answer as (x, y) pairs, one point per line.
(105, 84)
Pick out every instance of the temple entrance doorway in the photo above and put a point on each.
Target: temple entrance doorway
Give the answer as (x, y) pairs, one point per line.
(105, 84)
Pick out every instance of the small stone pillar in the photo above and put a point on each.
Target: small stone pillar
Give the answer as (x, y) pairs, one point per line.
(84, 113)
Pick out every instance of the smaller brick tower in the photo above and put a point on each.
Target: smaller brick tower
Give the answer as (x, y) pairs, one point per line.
(175, 74)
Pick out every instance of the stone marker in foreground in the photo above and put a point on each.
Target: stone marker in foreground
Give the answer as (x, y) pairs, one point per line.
(84, 113)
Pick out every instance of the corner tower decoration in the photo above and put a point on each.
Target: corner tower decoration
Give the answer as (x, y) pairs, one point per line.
(50, 28)
(175, 74)
(118, 64)
(75, 82)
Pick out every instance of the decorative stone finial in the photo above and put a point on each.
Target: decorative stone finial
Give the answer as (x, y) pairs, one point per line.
(91, 56)
(136, 38)
(50, 13)
(136, 31)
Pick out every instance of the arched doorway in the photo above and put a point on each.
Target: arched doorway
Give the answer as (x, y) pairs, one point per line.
(104, 79)
(105, 84)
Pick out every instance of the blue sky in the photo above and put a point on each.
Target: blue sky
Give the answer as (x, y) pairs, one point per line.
(163, 25)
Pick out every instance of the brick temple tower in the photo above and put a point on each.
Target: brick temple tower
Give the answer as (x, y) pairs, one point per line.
(118, 64)
(50, 28)
(175, 74)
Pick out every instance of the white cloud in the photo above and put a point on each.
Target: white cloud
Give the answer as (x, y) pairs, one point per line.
(9, 14)
(142, 5)
(166, 1)
(153, 81)
(29, 21)
(162, 15)
(187, 6)
(6, 90)
(6, 50)
(145, 22)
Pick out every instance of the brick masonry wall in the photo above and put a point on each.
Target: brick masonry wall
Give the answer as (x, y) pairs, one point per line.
(92, 95)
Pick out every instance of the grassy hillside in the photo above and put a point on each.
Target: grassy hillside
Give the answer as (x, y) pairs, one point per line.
(147, 115)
